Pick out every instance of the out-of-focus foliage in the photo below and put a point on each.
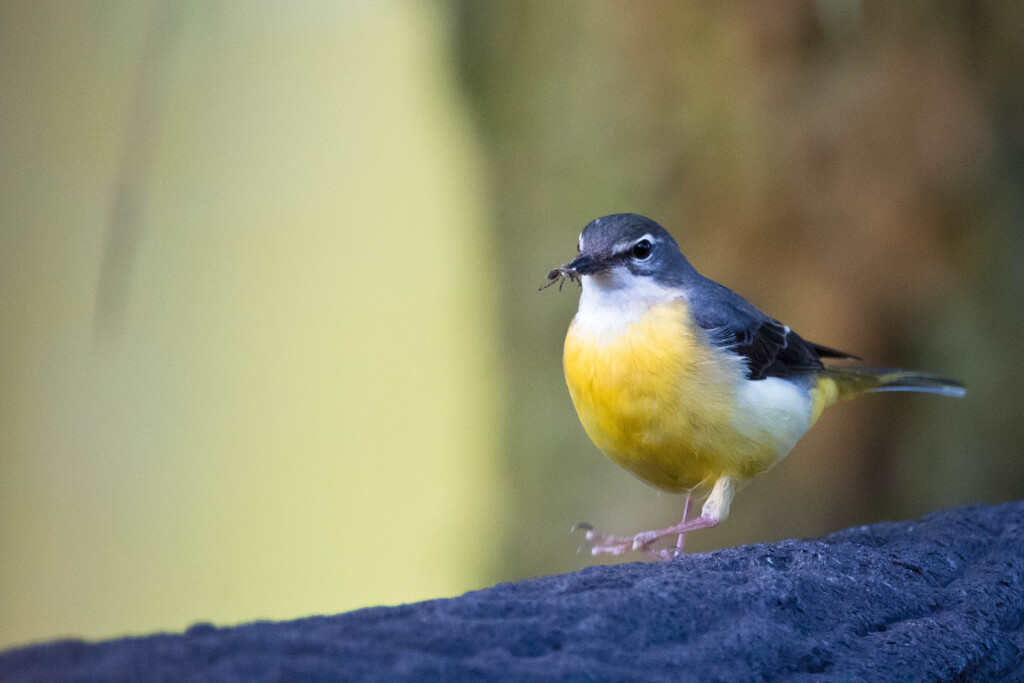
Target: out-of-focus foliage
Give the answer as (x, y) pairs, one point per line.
(851, 167)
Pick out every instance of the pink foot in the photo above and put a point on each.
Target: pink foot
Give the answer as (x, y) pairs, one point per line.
(598, 543)
(604, 544)
(716, 508)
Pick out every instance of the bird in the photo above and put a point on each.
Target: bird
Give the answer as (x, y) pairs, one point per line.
(686, 384)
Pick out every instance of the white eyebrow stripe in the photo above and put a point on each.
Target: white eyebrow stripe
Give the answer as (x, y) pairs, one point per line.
(579, 244)
(623, 246)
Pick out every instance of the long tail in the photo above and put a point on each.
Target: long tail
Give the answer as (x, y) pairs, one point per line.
(851, 381)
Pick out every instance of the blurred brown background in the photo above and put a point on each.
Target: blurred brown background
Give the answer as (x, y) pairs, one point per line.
(853, 168)
(268, 272)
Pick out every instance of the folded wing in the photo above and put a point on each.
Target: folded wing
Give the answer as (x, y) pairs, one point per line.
(770, 348)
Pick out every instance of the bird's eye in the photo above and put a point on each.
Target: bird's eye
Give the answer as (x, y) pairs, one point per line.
(642, 249)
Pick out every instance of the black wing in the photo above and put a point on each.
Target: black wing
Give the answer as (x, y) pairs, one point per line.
(770, 348)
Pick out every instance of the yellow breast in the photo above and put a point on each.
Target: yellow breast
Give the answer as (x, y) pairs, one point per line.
(658, 400)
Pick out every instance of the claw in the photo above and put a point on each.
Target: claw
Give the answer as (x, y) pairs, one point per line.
(664, 555)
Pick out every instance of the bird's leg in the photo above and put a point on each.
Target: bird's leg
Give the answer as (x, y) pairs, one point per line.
(618, 545)
(668, 553)
(715, 509)
(681, 541)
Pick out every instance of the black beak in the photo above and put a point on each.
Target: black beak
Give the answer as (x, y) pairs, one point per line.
(584, 264)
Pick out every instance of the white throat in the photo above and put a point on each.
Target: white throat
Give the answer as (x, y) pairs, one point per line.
(614, 299)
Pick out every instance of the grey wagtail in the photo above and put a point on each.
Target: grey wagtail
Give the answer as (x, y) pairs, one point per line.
(686, 384)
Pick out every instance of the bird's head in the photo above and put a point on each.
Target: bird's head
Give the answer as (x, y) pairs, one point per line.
(622, 251)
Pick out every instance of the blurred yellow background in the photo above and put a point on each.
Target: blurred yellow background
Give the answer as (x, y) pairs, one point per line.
(272, 344)
(298, 412)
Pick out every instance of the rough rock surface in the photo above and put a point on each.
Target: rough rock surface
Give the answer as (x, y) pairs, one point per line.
(941, 598)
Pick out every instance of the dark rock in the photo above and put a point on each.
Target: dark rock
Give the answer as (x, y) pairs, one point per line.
(938, 599)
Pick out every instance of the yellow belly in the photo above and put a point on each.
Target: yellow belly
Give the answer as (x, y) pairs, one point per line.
(660, 402)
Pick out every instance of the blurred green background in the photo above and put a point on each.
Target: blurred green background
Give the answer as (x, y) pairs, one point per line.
(272, 341)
